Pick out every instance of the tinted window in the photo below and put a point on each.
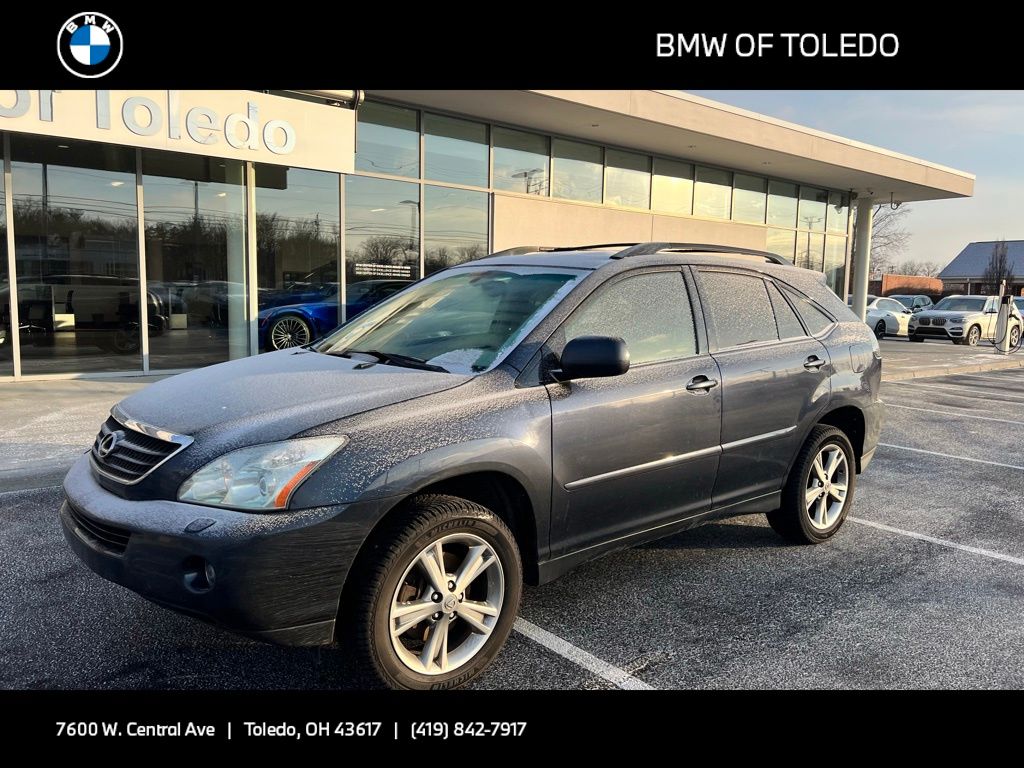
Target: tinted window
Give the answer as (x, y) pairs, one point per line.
(785, 317)
(577, 171)
(627, 179)
(815, 320)
(737, 308)
(650, 312)
(455, 150)
(520, 161)
(388, 140)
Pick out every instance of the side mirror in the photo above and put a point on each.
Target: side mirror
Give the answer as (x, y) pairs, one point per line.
(591, 357)
(910, 311)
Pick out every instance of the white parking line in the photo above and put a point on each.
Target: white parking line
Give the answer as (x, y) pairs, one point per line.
(589, 662)
(940, 542)
(953, 413)
(993, 378)
(974, 390)
(951, 456)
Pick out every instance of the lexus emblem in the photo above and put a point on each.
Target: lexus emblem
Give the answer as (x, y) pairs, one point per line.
(109, 443)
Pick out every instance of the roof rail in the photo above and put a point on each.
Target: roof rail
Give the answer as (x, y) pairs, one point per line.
(647, 249)
(643, 249)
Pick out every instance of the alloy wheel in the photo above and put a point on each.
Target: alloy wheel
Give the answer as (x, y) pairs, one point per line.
(289, 332)
(827, 484)
(973, 336)
(447, 604)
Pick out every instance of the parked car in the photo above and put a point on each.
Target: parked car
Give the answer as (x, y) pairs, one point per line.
(1019, 301)
(506, 419)
(293, 325)
(914, 302)
(963, 320)
(885, 316)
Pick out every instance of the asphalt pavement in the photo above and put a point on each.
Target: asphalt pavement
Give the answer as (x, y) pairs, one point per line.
(922, 588)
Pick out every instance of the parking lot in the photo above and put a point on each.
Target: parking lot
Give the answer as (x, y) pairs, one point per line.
(922, 588)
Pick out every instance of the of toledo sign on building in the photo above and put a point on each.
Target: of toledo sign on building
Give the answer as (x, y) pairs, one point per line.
(245, 125)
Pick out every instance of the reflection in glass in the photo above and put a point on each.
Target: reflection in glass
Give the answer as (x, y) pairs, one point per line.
(195, 258)
(781, 242)
(835, 263)
(382, 240)
(454, 227)
(810, 251)
(627, 179)
(520, 161)
(388, 140)
(712, 193)
(455, 150)
(812, 208)
(76, 253)
(576, 171)
(6, 331)
(748, 198)
(782, 203)
(838, 212)
(297, 248)
(672, 187)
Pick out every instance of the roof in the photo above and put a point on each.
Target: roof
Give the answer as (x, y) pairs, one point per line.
(972, 260)
(681, 125)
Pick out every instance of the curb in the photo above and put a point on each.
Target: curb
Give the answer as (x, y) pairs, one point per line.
(949, 370)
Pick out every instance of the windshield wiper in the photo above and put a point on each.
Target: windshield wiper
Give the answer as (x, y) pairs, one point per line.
(392, 358)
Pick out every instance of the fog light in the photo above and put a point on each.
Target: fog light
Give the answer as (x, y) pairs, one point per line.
(199, 575)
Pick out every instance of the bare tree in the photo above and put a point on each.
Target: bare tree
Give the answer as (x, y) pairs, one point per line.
(889, 236)
(930, 269)
(924, 268)
(999, 266)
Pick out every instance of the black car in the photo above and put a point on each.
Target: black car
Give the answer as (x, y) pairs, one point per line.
(391, 486)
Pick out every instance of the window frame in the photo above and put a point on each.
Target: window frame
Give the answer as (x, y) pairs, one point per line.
(701, 346)
(705, 300)
(788, 287)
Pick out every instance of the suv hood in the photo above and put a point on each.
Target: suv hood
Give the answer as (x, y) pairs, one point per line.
(277, 395)
(948, 313)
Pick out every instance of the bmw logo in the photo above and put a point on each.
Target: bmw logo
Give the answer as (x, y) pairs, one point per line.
(89, 44)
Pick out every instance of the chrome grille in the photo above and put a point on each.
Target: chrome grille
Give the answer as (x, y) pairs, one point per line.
(127, 451)
(924, 321)
(939, 321)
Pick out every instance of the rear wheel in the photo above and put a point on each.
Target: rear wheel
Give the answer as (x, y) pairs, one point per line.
(819, 490)
(1014, 335)
(434, 596)
(880, 329)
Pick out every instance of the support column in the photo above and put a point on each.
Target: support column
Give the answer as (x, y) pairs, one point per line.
(862, 259)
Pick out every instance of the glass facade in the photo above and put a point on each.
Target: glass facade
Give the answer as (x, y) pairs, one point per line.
(577, 171)
(194, 213)
(454, 227)
(140, 259)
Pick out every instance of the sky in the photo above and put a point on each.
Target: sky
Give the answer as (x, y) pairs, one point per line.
(981, 132)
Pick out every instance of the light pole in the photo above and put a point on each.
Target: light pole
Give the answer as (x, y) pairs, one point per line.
(810, 221)
(527, 176)
(414, 206)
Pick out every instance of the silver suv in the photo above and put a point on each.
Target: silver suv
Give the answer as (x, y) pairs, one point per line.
(963, 320)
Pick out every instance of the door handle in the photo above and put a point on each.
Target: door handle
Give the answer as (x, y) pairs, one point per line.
(813, 363)
(701, 384)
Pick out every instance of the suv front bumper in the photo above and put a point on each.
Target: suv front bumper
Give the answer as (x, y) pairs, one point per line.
(276, 577)
(949, 333)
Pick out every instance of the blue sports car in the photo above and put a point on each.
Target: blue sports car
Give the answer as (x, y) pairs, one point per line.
(292, 325)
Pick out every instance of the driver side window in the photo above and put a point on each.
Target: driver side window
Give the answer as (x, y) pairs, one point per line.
(650, 312)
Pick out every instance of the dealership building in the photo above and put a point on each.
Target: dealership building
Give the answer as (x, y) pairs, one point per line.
(157, 231)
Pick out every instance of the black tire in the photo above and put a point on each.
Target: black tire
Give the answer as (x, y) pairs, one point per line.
(973, 336)
(880, 329)
(300, 333)
(919, 339)
(791, 520)
(383, 566)
(1014, 336)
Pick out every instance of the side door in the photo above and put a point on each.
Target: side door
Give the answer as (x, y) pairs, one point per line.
(899, 315)
(989, 318)
(775, 379)
(639, 450)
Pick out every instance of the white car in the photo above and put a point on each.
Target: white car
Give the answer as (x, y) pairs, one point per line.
(886, 317)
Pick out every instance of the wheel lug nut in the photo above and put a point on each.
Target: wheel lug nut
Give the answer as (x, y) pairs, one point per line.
(436, 597)
(437, 616)
(451, 585)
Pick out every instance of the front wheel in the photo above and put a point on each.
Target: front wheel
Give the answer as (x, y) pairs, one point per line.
(287, 332)
(433, 597)
(973, 336)
(819, 491)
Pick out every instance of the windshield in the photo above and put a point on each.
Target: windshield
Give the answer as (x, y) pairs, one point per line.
(462, 320)
(906, 301)
(961, 304)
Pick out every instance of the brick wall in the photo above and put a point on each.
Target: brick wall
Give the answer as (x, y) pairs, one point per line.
(890, 284)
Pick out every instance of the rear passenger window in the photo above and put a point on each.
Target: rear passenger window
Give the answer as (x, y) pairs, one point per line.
(815, 320)
(650, 312)
(737, 308)
(789, 323)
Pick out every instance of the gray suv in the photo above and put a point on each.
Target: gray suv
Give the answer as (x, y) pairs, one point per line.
(391, 486)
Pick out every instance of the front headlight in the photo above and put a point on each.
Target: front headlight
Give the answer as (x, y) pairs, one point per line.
(261, 477)
(956, 320)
